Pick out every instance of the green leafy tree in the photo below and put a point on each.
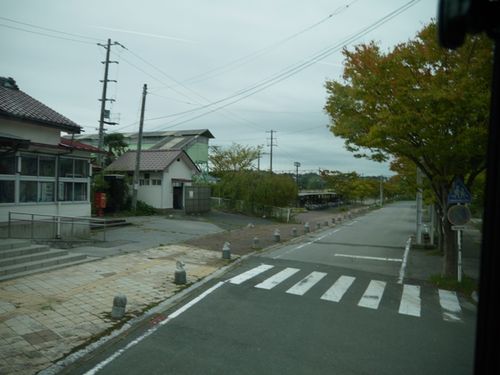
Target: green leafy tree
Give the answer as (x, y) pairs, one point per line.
(420, 102)
(116, 146)
(233, 158)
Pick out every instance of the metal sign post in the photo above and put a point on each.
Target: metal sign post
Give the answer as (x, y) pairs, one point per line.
(459, 215)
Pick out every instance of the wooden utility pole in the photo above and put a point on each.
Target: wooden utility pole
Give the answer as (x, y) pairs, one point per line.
(138, 151)
(104, 99)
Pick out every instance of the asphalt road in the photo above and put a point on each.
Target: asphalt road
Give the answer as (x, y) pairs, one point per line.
(301, 309)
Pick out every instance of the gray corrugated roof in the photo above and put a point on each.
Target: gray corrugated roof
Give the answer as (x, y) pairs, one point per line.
(151, 160)
(16, 104)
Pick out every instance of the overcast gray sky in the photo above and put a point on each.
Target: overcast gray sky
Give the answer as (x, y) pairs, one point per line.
(264, 61)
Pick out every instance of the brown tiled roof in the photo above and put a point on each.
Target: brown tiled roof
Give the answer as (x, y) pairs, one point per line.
(79, 146)
(16, 104)
(151, 160)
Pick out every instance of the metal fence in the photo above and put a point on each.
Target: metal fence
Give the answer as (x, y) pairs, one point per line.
(27, 225)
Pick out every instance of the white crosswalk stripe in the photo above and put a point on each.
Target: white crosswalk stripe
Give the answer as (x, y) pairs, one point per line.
(338, 289)
(410, 300)
(373, 295)
(307, 283)
(277, 279)
(451, 307)
(250, 274)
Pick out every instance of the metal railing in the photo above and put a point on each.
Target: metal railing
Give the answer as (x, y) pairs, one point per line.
(43, 226)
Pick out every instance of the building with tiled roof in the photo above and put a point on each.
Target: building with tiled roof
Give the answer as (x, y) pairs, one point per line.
(194, 142)
(40, 172)
(163, 174)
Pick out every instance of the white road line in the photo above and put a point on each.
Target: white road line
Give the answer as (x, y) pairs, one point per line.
(307, 283)
(373, 294)
(306, 243)
(237, 280)
(410, 300)
(150, 331)
(351, 223)
(449, 302)
(337, 290)
(405, 259)
(368, 257)
(277, 279)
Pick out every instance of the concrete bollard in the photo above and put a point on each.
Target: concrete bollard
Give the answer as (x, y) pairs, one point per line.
(277, 235)
(318, 226)
(119, 305)
(226, 251)
(180, 274)
(307, 229)
(333, 220)
(326, 223)
(255, 243)
(294, 232)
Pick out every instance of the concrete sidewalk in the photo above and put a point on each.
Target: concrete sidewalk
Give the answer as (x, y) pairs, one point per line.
(44, 316)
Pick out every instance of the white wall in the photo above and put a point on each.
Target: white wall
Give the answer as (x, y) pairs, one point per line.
(162, 196)
(35, 133)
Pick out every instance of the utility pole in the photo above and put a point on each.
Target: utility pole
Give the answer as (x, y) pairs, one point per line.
(419, 207)
(138, 152)
(271, 144)
(104, 99)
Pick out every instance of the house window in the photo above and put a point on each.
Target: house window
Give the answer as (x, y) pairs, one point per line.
(28, 191)
(47, 166)
(7, 191)
(65, 191)
(66, 167)
(7, 164)
(29, 165)
(73, 181)
(46, 192)
(80, 191)
(156, 182)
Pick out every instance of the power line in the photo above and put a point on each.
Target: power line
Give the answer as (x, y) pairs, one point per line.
(234, 64)
(49, 29)
(45, 34)
(285, 73)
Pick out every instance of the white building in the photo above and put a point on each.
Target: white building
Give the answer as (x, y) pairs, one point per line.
(40, 173)
(162, 178)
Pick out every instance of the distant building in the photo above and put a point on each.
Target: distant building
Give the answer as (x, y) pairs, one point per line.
(162, 178)
(40, 172)
(193, 142)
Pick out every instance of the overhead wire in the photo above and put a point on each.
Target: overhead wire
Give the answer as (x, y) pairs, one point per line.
(236, 63)
(287, 72)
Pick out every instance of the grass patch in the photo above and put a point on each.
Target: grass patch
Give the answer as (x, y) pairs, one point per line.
(466, 287)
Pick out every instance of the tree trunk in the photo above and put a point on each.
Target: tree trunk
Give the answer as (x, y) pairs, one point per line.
(450, 251)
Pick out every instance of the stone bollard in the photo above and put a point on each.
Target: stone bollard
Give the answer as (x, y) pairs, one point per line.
(326, 223)
(318, 226)
(226, 251)
(277, 235)
(333, 220)
(294, 232)
(255, 243)
(119, 304)
(180, 274)
(306, 228)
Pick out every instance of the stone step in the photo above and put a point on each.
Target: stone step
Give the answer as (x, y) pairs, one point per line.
(28, 266)
(47, 269)
(7, 244)
(19, 251)
(27, 258)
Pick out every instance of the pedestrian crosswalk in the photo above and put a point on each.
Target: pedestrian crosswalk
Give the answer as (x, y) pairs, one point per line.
(410, 303)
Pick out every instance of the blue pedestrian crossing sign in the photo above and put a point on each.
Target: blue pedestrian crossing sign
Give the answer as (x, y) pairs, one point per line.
(459, 192)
